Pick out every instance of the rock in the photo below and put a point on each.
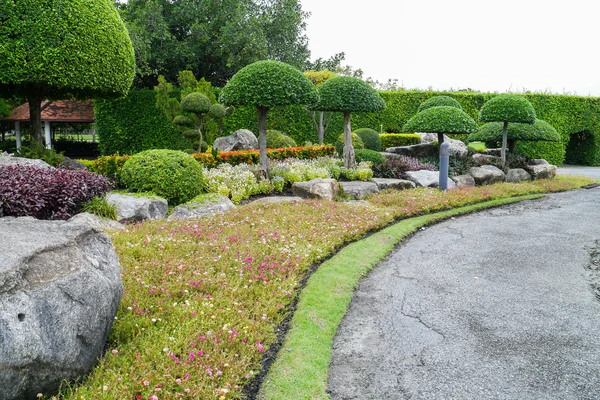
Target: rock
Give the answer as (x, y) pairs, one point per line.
(213, 204)
(416, 150)
(241, 139)
(493, 152)
(398, 184)
(69, 163)
(517, 175)
(24, 162)
(542, 171)
(359, 189)
(425, 178)
(277, 199)
(483, 159)
(487, 174)
(390, 155)
(60, 288)
(96, 221)
(325, 189)
(136, 208)
(538, 161)
(463, 180)
(457, 148)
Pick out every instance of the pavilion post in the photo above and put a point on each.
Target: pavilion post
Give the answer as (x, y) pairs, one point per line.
(18, 134)
(48, 136)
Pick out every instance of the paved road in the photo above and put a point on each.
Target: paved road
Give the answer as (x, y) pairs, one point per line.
(594, 172)
(502, 304)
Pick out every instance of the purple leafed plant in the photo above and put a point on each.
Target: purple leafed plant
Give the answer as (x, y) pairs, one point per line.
(47, 193)
(396, 167)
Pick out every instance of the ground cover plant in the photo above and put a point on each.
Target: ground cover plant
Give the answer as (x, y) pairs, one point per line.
(203, 297)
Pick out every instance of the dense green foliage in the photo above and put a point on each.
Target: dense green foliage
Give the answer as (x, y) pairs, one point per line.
(171, 174)
(276, 140)
(356, 142)
(348, 94)
(61, 48)
(441, 119)
(540, 130)
(318, 77)
(583, 149)
(196, 103)
(507, 107)
(212, 38)
(133, 124)
(437, 101)
(268, 84)
(399, 139)
(370, 138)
(369, 155)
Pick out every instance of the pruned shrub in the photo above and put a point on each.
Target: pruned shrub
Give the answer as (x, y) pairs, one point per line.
(437, 101)
(47, 193)
(397, 166)
(370, 138)
(357, 143)
(399, 139)
(277, 140)
(171, 174)
(369, 155)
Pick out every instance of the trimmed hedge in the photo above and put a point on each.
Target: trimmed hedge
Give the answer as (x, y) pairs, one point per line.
(133, 124)
(370, 138)
(399, 139)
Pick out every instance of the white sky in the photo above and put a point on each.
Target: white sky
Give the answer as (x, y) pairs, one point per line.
(486, 45)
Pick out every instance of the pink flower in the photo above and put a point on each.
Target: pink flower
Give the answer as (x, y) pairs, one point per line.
(153, 397)
(192, 356)
(186, 390)
(145, 383)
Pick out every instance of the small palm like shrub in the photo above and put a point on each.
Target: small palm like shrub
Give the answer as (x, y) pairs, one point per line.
(171, 174)
(277, 139)
(356, 142)
(370, 138)
(369, 155)
(396, 167)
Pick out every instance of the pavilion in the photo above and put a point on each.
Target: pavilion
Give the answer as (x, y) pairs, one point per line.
(53, 111)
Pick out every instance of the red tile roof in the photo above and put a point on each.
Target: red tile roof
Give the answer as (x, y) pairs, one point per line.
(57, 111)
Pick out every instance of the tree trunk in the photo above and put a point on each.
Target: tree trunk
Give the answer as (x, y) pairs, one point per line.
(511, 145)
(321, 130)
(504, 140)
(200, 132)
(349, 158)
(440, 138)
(262, 140)
(35, 118)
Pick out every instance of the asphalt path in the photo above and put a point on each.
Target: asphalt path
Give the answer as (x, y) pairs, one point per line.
(502, 304)
(593, 172)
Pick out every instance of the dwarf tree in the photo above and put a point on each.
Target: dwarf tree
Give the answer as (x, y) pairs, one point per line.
(539, 130)
(198, 105)
(347, 94)
(264, 85)
(507, 108)
(441, 120)
(69, 48)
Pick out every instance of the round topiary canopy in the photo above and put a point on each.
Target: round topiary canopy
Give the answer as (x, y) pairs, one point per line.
(268, 84)
(217, 111)
(507, 107)
(348, 94)
(442, 119)
(539, 130)
(437, 101)
(61, 48)
(195, 102)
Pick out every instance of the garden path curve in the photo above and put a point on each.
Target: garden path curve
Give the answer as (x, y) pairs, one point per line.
(502, 304)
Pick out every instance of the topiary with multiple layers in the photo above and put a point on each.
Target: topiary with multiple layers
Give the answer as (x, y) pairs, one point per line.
(540, 130)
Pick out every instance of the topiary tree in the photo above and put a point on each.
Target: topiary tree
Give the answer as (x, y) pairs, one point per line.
(322, 122)
(266, 84)
(441, 120)
(54, 49)
(370, 138)
(347, 94)
(507, 108)
(437, 101)
(539, 130)
(198, 104)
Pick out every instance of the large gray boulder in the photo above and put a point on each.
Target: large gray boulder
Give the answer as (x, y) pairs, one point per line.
(426, 178)
(69, 163)
(457, 148)
(132, 208)
(23, 162)
(60, 288)
(323, 189)
(416, 150)
(517, 175)
(390, 183)
(541, 170)
(241, 139)
(487, 174)
(212, 204)
(485, 159)
(359, 189)
(96, 221)
(463, 180)
(277, 200)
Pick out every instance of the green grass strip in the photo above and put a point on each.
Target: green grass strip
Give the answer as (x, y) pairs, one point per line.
(302, 365)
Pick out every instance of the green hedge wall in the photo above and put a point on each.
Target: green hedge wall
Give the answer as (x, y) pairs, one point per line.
(132, 124)
(570, 115)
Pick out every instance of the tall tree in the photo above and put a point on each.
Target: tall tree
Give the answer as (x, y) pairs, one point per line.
(212, 38)
(51, 49)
